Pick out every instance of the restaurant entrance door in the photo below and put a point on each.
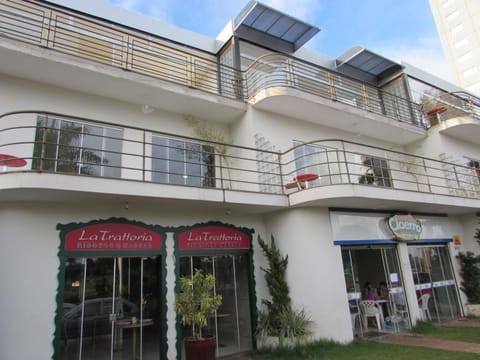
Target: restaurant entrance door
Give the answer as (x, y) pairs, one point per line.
(231, 324)
(111, 308)
(435, 283)
(376, 265)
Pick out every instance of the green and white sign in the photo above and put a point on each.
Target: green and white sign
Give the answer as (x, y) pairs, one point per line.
(405, 227)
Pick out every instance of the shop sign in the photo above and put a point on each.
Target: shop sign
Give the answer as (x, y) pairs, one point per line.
(405, 227)
(113, 237)
(213, 238)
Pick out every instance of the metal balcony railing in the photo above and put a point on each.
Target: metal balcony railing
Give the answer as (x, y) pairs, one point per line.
(273, 70)
(68, 145)
(88, 37)
(98, 40)
(444, 106)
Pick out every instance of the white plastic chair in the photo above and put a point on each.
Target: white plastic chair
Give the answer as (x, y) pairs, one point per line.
(423, 305)
(370, 309)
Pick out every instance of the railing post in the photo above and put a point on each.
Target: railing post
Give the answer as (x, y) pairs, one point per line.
(427, 176)
(331, 87)
(282, 183)
(48, 35)
(143, 156)
(290, 75)
(221, 172)
(365, 96)
(127, 52)
(346, 163)
(44, 142)
(457, 180)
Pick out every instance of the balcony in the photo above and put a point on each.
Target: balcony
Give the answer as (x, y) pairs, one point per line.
(291, 87)
(457, 114)
(103, 58)
(55, 157)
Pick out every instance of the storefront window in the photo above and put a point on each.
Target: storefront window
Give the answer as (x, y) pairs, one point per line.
(435, 284)
(231, 323)
(76, 147)
(182, 163)
(110, 291)
(373, 274)
(225, 252)
(101, 297)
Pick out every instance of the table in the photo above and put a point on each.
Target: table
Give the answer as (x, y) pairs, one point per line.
(434, 114)
(303, 180)
(7, 160)
(128, 324)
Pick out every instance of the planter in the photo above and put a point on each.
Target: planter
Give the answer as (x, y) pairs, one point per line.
(200, 349)
(472, 309)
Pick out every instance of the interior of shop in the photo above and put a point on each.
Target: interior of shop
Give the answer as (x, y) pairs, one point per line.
(111, 308)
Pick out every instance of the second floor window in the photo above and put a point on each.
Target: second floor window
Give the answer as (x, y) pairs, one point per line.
(183, 163)
(69, 146)
(476, 165)
(376, 173)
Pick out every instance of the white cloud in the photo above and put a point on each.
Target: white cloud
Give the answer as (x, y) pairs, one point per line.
(427, 55)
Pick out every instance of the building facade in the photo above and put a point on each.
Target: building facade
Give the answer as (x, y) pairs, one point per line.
(458, 26)
(134, 152)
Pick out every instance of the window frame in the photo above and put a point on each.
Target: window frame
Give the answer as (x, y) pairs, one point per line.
(78, 157)
(206, 162)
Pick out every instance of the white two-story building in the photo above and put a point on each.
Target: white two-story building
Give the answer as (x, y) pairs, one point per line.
(133, 152)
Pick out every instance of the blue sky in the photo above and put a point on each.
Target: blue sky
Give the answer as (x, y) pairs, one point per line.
(397, 29)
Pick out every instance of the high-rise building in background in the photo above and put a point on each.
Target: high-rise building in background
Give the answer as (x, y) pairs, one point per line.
(458, 24)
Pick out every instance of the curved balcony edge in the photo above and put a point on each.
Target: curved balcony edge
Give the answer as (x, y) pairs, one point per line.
(288, 101)
(381, 199)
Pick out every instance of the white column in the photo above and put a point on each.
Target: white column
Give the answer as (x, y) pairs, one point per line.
(408, 284)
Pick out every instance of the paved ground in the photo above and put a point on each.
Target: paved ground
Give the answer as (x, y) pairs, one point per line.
(430, 342)
(414, 340)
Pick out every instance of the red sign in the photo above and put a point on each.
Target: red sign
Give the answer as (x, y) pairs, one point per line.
(113, 237)
(213, 238)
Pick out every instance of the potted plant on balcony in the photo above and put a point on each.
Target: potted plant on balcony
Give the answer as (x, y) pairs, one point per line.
(195, 303)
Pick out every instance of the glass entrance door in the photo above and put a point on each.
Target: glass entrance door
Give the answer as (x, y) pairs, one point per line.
(232, 323)
(434, 282)
(380, 267)
(110, 308)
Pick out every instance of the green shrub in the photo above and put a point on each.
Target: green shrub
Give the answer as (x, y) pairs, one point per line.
(279, 318)
(470, 272)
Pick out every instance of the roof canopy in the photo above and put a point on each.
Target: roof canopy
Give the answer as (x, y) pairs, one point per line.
(364, 65)
(270, 28)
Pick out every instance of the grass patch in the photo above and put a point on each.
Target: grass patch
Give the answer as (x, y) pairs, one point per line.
(460, 333)
(362, 350)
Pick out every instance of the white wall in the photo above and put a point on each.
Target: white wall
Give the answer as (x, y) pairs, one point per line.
(29, 262)
(315, 270)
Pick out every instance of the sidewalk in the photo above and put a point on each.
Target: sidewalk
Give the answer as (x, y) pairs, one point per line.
(434, 343)
(409, 339)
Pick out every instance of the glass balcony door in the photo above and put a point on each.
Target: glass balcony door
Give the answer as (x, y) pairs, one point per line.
(110, 309)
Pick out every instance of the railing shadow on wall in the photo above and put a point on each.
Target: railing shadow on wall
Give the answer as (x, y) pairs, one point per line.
(57, 143)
